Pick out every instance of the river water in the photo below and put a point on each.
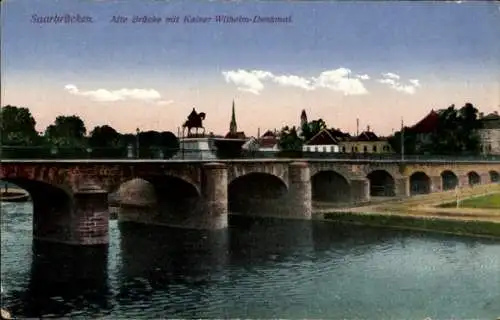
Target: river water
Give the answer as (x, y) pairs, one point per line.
(259, 268)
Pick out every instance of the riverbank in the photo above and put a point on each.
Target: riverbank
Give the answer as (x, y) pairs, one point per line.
(426, 213)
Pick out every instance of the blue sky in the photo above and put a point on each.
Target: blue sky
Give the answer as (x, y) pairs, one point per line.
(438, 44)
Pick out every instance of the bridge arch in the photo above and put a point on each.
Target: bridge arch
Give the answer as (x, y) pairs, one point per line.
(330, 186)
(420, 183)
(51, 206)
(156, 199)
(255, 193)
(382, 184)
(494, 176)
(473, 178)
(449, 180)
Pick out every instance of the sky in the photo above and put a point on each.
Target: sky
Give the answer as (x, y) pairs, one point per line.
(379, 62)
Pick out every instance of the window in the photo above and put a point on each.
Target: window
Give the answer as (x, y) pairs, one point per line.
(353, 149)
(316, 149)
(374, 148)
(365, 149)
(343, 149)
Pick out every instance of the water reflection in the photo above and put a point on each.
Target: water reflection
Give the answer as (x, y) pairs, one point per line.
(64, 278)
(258, 268)
(161, 256)
(268, 240)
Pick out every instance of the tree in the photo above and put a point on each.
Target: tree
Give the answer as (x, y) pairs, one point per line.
(312, 128)
(104, 137)
(18, 127)
(410, 141)
(289, 139)
(105, 142)
(169, 144)
(67, 132)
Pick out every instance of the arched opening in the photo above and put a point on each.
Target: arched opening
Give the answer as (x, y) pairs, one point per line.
(49, 207)
(474, 178)
(157, 200)
(382, 184)
(257, 194)
(330, 186)
(420, 183)
(449, 179)
(494, 176)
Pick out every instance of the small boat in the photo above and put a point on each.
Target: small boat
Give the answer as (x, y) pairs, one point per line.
(14, 197)
(4, 314)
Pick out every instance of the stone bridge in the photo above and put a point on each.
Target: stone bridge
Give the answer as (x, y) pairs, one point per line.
(70, 197)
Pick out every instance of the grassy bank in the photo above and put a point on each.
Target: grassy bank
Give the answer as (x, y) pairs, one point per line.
(458, 227)
(491, 201)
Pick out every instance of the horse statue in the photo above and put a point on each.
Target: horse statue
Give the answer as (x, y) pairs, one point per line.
(194, 120)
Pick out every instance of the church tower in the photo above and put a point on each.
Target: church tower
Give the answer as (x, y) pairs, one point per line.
(303, 118)
(233, 128)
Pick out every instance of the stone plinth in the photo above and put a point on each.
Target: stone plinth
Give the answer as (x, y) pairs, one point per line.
(199, 148)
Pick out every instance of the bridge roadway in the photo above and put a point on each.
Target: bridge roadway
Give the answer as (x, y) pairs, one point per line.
(70, 197)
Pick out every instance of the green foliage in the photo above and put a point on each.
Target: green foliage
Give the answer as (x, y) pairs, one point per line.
(105, 143)
(17, 127)
(455, 134)
(67, 131)
(290, 140)
(312, 128)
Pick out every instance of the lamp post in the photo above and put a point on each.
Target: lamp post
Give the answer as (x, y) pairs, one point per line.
(137, 131)
(402, 140)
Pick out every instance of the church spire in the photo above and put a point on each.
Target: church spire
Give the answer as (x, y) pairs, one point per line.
(233, 128)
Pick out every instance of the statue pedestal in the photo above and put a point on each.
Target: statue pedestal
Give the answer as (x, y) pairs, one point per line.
(199, 148)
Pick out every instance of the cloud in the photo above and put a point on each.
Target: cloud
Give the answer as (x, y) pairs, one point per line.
(164, 102)
(104, 95)
(392, 80)
(391, 75)
(337, 80)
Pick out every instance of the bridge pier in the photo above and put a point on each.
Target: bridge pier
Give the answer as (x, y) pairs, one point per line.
(91, 215)
(360, 190)
(436, 184)
(214, 213)
(463, 181)
(402, 187)
(80, 220)
(485, 178)
(299, 197)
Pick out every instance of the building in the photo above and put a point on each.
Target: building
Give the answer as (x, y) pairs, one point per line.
(327, 140)
(269, 141)
(366, 142)
(489, 134)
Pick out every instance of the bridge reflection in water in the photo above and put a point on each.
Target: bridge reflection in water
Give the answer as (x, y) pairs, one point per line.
(64, 278)
(257, 268)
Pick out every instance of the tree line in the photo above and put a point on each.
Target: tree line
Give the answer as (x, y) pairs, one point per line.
(68, 134)
(456, 133)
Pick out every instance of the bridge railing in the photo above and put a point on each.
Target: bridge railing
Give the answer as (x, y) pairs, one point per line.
(158, 152)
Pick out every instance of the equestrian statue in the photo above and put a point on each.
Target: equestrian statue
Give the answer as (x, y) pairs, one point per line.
(194, 120)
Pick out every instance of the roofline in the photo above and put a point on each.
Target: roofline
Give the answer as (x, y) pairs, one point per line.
(319, 133)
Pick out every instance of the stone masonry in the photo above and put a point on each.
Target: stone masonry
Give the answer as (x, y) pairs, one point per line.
(70, 197)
